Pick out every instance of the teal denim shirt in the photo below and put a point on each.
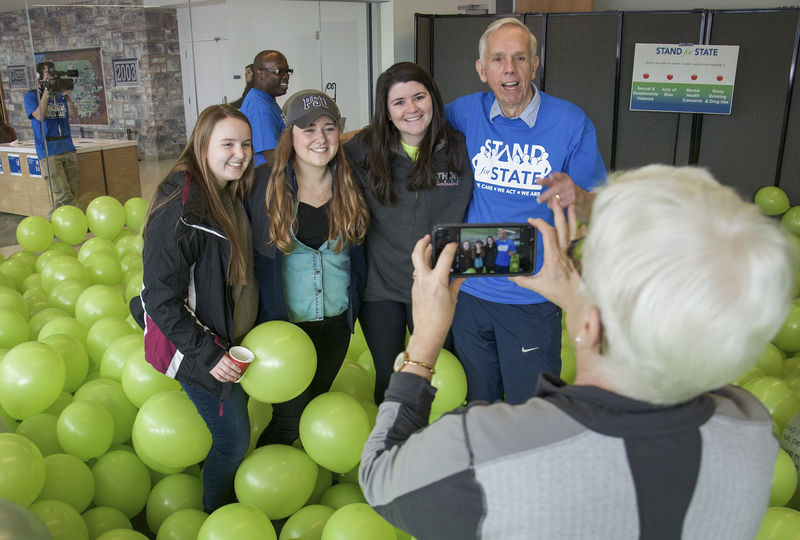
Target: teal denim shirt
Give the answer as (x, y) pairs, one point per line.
(315, 281)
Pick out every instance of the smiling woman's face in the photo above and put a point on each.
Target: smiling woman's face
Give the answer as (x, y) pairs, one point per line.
(229, 150)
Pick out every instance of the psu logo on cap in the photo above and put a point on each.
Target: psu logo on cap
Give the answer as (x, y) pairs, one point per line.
(314, 101)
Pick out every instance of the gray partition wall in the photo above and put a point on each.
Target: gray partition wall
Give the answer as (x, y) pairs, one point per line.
(587, 58)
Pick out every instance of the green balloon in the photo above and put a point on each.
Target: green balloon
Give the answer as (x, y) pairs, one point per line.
(324, 481)
(371, 409)
(123, 244)
(65, 295)
(357, 521)
(105, 216)
(95, 245)
(13, 300)
(450, 382)
(64, 522)
(277, 479)
(103, 268)
(285, 362)
(333, 430)
(69, 326)
(307, 523)
(354, 380)
(790, 367)
(76, 361)
(131, 263)
(779, 524)
(34, 233)
(122, 234)
(32, 376)
(99, 301)
(365, 361)
(134, 285)
(182, 525)
(788, 337)
(69, 224)
(772, 200)
(169, 430)
(778, 397)
(22, 469)
(135, 212)
(237, 521)
(26, 256)
(784, 480)
(260, 414)
(61, 402)
(17, 521)
(14, 328)
(122, 534)
(62, 248)
(44, 316)
(122, 481)
(568, 360)
(174, 492)
(33, 281)
(791, 220)
(85, 429)
(110, 395)
(101, 519)
(60, 268)
(6, 281)
(141, 381)
(41, 430)
(102, 334)
(16, 270)
(36, 301)
(68, 480)
(358, 344)
(116, 355)
(339, 495)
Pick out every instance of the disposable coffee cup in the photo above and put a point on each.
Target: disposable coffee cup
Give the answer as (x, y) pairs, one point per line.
(242, 357)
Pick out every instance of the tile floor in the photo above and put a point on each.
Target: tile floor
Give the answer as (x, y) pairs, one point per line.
(150, 174)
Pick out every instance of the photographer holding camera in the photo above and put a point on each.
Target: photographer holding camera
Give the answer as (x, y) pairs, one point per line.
(49, 107)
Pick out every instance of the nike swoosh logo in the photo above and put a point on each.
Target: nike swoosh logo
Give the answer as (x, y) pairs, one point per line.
(529, 350)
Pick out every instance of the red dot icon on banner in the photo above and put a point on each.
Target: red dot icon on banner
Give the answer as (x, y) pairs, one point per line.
(694, 77)
(719, 77)
(669, 77)
(646, 76)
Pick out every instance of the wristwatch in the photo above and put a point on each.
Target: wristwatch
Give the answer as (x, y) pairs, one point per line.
(403, 359)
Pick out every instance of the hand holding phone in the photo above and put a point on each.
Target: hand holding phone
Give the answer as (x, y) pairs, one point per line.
(488, 249)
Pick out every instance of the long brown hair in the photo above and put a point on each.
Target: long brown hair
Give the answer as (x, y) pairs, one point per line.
(192, 161)
(383, 136)
(348, 215)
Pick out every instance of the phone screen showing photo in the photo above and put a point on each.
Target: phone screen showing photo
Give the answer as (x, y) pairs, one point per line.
(488, 249)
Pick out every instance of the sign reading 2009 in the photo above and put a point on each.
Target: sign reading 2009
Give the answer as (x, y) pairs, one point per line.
(683, 78)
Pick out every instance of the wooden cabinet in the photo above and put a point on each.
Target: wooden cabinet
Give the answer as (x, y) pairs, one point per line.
(107, 167)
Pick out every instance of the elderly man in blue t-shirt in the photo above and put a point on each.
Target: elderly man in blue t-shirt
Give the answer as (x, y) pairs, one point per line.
(526, 147)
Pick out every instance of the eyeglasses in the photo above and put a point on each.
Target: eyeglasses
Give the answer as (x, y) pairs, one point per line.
(277, 72)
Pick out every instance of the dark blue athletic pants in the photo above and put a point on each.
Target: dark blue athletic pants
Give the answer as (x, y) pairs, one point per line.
(504, 347)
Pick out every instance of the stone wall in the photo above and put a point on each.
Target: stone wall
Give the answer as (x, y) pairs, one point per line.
(153, 111)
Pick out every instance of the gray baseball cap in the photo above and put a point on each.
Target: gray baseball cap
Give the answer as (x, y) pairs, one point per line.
(305, 106)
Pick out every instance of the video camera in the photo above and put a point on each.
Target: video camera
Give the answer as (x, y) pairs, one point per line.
(62, 80)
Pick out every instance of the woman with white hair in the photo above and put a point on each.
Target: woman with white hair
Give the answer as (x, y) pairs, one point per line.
(681, 286)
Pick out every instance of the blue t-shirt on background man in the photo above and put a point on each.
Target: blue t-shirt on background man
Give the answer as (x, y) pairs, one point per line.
(56, 124)
(266, 122)
(508, 157)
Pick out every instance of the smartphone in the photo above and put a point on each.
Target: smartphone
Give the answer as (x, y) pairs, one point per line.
(487, 249)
